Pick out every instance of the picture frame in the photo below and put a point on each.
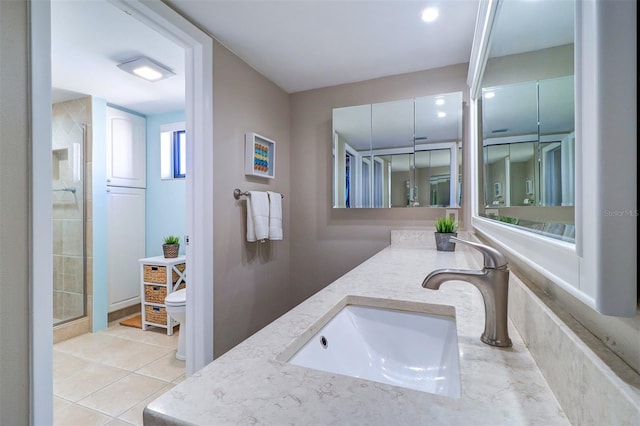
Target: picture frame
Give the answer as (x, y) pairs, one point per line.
(528, 187)
(260, 156)
(497, 189)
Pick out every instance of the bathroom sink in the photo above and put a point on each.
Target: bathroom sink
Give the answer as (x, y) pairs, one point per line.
(411, 349)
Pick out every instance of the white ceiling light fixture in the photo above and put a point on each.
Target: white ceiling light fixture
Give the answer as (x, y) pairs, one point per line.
(439, 101)
(146, 68)
(430, 14)
(442, 114)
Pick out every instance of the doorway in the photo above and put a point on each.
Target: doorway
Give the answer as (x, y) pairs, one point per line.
(198, 112)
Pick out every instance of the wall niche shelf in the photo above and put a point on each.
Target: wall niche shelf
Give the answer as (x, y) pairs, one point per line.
(260, 156)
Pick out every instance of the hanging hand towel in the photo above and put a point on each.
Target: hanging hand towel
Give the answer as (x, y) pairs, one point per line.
(275, 216)
(257, 216)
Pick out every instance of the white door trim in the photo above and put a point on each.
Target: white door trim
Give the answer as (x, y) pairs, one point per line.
(199, 116)
(41, 279)
(199, 120)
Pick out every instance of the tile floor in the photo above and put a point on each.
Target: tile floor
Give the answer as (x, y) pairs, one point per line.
(107, 378)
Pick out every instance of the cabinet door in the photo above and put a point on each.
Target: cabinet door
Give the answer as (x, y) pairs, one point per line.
(126, 149)
(125, 245)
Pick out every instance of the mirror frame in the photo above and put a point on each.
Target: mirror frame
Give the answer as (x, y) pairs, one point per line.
(600, 268)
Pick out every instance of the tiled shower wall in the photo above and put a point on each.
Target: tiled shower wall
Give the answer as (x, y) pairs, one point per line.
(72, 283)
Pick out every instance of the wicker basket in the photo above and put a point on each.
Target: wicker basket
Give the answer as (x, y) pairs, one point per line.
(180, 267)
(154, 294)
(155, 314)
(170, 250)
(155, 274)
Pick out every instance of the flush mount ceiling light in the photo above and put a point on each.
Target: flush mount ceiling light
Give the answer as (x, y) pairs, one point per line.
(442, 114)
(439, 101)
(146, 68)
(430, 14)
(489, 95)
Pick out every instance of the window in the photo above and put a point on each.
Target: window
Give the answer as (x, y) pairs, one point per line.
(173, 151)
(179, 154)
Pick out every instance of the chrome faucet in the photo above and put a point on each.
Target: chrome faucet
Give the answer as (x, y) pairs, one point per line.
(493, 283)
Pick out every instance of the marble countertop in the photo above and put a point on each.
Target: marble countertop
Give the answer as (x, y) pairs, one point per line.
(250, 385)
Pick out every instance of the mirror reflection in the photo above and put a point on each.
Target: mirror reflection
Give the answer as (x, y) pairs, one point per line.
(527, 118)
(404, 153)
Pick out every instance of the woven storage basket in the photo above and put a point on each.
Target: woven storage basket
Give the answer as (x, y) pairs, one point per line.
(154, 294)
(170, 250)
(155, 314)
(155, 274)
(180, 267)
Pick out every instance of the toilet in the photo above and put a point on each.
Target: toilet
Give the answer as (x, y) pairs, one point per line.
(176, 305)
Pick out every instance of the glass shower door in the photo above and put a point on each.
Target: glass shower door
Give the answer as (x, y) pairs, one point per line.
(69, 247)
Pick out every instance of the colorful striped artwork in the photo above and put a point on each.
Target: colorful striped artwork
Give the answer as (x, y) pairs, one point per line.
(261, 158)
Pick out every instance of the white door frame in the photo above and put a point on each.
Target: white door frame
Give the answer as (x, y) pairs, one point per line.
(199, 125)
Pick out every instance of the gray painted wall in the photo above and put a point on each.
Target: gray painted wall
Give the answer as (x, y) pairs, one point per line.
(327, 242)
(251, 279)
(14, 214)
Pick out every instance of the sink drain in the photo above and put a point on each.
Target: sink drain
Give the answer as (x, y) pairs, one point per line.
(323, 342)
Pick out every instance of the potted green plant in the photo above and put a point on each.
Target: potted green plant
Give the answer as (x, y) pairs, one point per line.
(446, 228)
(171, 246)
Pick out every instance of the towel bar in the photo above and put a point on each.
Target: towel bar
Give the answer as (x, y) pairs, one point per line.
(238, 193)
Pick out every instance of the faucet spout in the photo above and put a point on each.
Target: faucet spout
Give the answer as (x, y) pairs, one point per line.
(435, 279)
(493, 284)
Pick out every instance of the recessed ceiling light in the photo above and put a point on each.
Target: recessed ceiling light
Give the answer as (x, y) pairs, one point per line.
(489, 95)
(440, 101)
(430, 14)
(146, 68)
(442, 114)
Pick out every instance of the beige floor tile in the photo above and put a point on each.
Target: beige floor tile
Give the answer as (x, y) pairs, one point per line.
(152, 336)
(85, 381)
(131, 355)
(118, 422)
(114, 351)
(93, 379)
(122, 395)
(75, 415)
(86, 345)
(167, 368)
(60, 404)
(66, 365)
(134, 415)
(179, 379)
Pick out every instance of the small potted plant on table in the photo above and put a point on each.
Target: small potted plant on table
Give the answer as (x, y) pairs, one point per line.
(171, 246)
(446, 228)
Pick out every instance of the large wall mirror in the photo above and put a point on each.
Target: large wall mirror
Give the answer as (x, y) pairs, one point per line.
(528, 122)
(404, 153)
(554, 184)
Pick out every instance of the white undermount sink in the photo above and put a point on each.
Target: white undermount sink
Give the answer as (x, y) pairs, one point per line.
(408, 348)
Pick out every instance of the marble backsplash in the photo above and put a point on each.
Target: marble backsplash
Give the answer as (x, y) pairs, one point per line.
(592, 384)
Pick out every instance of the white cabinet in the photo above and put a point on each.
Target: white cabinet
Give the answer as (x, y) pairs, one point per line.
(126, 149)
(125, 245)
(160, 276)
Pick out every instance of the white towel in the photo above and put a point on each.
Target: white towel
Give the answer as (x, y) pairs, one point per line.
(275, 215)
(257, 216)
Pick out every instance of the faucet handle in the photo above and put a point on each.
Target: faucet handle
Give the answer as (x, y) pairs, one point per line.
(493, 259)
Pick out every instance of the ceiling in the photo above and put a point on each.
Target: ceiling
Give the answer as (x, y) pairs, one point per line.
(90, 38)
(307, 44)
(297, 44)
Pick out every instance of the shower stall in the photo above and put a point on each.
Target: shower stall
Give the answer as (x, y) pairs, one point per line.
(71, 263)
